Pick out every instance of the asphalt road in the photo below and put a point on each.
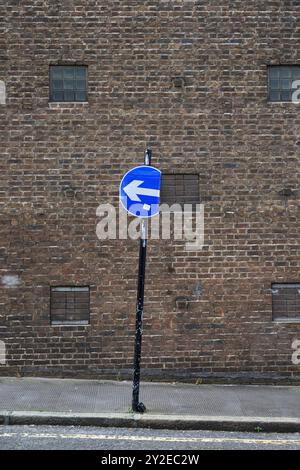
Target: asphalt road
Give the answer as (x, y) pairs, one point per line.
(91, 438)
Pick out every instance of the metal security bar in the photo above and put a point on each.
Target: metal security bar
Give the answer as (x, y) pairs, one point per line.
(68, 83)
(286, 301)
(180, 189)
(280, 82)
(70, 305)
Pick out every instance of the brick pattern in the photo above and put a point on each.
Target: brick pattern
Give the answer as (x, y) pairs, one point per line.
(189, 79)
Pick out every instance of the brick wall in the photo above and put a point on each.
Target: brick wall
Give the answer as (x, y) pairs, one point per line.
(60, 161)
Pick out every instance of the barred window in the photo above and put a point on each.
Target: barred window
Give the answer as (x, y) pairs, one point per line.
(179, 189)
(286, 302)
(70, 305)
(281, 82)
(2, 92)
(68, 83)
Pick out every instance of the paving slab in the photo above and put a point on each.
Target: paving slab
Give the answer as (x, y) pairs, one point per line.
(26, 399)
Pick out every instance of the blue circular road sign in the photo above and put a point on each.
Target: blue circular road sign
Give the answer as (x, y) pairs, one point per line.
(140, 191)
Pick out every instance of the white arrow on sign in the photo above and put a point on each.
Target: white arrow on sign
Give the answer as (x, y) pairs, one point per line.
(133, 191)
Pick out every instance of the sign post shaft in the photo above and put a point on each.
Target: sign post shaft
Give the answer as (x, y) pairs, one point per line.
(137, 406)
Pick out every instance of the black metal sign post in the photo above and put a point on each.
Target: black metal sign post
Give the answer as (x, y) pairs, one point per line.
(137, 406)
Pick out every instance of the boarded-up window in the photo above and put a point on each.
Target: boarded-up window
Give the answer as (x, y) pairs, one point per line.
(286, 302)
(180, 189)
(70, 305)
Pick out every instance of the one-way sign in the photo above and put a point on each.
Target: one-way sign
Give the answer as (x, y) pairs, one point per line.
(140, 191)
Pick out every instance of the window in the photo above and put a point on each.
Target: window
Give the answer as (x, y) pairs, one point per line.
(180, 189)
(68, 83)
(281, 80)
(286, 302)
(70, 305)
(2, 92)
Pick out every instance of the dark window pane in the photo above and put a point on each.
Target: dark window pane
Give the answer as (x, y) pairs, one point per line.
(80, 84)
(281, 80)
(65, 80)
(66, 306)
(58, 96)
(274, 72)
(285, 84)
(80, 96)
(57, 84)
(286, 301)
(56, 72)
(178, 188)
(69, 84)
(69, 96)
(81, 72)
(275, 96)
(286, 96)
(286, 72)
(69, 73)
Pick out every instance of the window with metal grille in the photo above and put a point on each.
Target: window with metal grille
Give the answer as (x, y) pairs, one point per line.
(70, 305)
(179, 189)
(281, 80)
(68, 83)
(286, 302)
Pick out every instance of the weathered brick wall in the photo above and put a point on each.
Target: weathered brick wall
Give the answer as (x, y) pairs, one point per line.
(59, 162)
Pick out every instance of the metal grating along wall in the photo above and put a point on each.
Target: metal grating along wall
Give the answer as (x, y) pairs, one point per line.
(180, 189)
(286, 301)
(70, 304)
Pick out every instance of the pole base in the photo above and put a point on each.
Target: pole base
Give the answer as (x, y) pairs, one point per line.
(139, 408)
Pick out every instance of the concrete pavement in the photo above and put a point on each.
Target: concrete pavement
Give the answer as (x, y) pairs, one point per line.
(169, 406)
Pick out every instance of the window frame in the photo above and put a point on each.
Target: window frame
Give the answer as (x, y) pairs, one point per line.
(64, 90)
(70, 288)
(280, 79)
(193, 200)
(285, 285)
